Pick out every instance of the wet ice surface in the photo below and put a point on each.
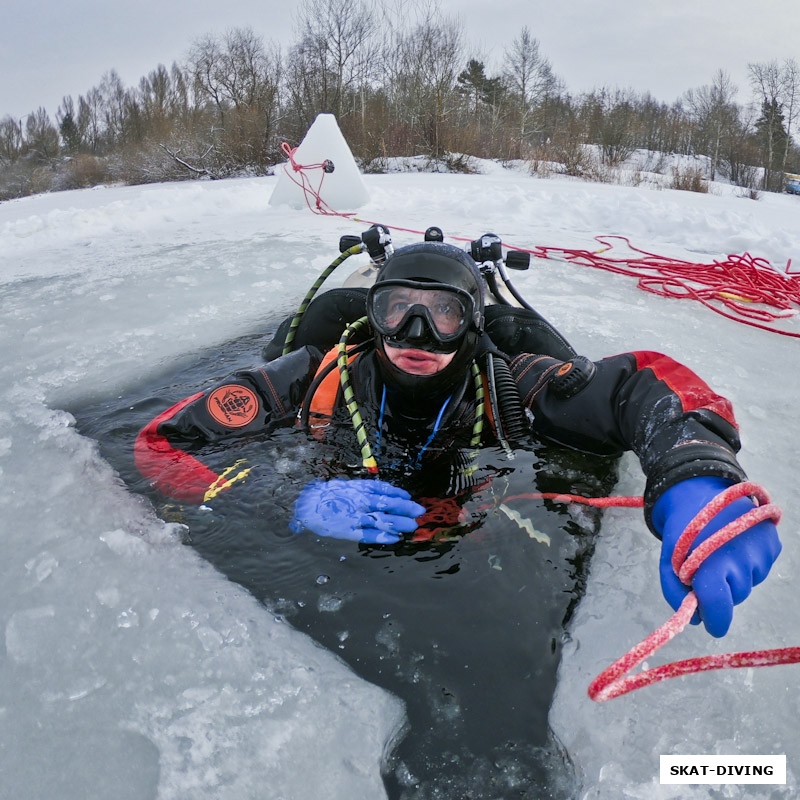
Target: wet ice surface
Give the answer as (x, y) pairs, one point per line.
(128, 664)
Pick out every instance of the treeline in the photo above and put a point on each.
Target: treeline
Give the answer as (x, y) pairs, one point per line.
(400, 84)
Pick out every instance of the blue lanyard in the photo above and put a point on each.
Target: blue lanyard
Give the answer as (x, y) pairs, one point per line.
(430, 438)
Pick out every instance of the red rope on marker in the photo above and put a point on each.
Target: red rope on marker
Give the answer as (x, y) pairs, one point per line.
(615, 680)
(302, 180)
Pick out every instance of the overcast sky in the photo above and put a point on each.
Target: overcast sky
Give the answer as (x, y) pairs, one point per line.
(52, 48)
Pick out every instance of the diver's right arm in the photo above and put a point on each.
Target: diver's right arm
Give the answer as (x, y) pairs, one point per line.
(247, 402)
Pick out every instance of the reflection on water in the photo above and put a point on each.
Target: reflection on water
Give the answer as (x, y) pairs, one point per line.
(466, 627)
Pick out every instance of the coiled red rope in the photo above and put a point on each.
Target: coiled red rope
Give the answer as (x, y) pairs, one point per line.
(737, 287)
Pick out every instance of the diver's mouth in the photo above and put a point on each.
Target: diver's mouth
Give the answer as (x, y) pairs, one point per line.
(419, 355)
(417, 362)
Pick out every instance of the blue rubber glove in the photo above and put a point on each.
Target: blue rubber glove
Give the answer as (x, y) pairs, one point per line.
(728, 575)
(359, 510)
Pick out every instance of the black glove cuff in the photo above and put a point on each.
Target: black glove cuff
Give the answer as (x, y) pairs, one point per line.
(690, 460)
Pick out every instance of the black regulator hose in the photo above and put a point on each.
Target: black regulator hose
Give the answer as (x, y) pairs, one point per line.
(509, 402)
(517, 296)
(495, 406)
(491, 282)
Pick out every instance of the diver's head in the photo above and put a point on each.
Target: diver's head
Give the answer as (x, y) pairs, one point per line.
(426, 309)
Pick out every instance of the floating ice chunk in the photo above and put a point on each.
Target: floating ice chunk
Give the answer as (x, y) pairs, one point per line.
(28, 633)
(124, 544)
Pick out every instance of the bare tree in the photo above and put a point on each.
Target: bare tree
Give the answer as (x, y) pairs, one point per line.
(204, 64)
(41, 136)
(240, 76)
(90, 118)
(529, 76)
(424, 69)
(791, 96)
(115, 104)
(11, 140)
(661, 128)
(237, 71)
(335, 57)
(179, 101)
(247, 71)
(610, 120)
(715, 115)
(154, 95)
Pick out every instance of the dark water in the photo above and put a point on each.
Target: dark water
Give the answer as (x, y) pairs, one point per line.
(467, 629)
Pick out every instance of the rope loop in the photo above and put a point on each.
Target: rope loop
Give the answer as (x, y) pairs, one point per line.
(616, 679)
(685, 567)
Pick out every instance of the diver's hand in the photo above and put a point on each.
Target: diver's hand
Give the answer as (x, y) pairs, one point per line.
(728, 575)
(360, 510)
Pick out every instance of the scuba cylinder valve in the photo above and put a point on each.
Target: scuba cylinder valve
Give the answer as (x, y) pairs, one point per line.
(487, 250)
(377, 241)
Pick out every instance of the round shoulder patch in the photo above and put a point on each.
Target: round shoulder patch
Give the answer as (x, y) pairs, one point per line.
(232, 405)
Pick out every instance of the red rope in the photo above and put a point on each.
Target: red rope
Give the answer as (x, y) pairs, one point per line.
(729, 287)
(597, 502)
(301, 179)
(735, 283)
(615, 680)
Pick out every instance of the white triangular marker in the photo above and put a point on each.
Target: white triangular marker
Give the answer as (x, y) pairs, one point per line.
(340, 190)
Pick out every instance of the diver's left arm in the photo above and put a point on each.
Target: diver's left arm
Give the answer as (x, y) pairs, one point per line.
(686, 438)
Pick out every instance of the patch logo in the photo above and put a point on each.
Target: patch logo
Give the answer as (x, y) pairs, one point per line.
(232, 405)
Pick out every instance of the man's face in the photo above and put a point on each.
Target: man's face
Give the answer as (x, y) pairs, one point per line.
(414, 341)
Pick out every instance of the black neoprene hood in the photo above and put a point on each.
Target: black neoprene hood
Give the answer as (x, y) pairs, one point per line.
(434, 262)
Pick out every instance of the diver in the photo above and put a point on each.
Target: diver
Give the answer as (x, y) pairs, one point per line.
(415, 387)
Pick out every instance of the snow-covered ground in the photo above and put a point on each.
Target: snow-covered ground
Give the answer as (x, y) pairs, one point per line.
(130, 668)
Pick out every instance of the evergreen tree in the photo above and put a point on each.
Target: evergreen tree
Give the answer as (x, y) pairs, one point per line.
(478, 86)
(70, 134)
(772, 138)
